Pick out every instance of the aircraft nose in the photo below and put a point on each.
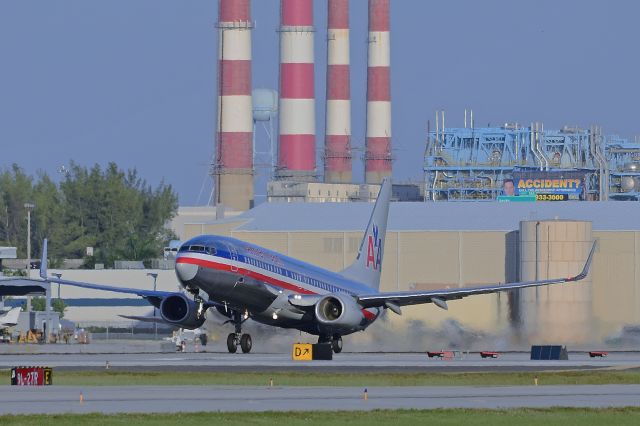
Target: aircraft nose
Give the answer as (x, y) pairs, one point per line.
(186, 271)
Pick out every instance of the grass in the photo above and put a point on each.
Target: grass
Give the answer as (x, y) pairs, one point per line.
(563, 416)
(288, 378)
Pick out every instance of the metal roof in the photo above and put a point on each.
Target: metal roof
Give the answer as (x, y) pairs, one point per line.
(10, 286)
(480, 216)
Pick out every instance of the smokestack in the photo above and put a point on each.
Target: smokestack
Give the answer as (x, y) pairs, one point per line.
(233, 169)
(297, 143)
(378, 150)
(337, 158)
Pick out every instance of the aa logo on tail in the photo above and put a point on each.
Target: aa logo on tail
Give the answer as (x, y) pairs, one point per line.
(374, 249)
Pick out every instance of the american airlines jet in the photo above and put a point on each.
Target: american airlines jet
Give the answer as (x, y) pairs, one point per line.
(243, 281)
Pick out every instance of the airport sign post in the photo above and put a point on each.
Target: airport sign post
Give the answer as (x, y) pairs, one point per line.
(302, 352)
(29, 207)
(31, 376)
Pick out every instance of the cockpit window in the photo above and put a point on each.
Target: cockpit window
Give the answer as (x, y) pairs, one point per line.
(198, 249)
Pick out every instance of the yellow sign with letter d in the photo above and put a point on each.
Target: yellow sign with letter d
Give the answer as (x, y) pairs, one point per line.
(302, 352)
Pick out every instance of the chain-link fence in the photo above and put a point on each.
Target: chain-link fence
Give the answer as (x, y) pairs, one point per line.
(125, 330)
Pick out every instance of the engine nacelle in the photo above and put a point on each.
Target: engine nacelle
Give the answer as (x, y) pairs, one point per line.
(339, 312)
(181, 311)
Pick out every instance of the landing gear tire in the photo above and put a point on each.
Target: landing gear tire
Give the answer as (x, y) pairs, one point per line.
(232, 343)
(336, 344)
(238, 339)
(245, 343)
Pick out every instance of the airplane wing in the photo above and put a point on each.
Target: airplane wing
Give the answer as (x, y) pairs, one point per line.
(154, 297)
(393, 300)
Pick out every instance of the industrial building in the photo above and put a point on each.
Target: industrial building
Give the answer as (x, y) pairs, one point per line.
(470, 164)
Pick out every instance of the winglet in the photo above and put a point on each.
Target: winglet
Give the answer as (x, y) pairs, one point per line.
(43, 261)
(585, 271)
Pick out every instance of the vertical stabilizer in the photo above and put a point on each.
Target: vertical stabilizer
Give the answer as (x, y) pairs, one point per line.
(10, 319)
(368, 265)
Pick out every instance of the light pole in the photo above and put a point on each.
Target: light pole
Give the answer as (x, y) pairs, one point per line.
(58, 276)
(154, 275)
(29, 207)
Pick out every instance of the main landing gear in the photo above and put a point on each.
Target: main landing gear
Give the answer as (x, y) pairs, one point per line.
(238, 339)
(335, 340)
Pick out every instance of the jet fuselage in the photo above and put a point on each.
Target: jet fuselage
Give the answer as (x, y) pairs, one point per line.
(258, 281)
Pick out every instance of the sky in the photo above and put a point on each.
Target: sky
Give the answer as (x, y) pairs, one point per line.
(133, 81)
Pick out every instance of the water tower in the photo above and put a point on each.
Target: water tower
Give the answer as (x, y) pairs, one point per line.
(265, 111)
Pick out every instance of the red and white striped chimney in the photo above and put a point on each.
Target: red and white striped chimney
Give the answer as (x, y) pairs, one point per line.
(337, 157)
(234, 157)
(378, 150)
(297, 140)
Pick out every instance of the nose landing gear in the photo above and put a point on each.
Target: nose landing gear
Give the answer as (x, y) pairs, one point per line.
(238, 338)
(243, 340)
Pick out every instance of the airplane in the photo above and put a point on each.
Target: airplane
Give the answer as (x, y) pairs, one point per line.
(9, 318)
(242, 280)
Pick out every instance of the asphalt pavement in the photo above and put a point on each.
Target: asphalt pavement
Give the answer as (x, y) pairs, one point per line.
(171, 399)
(380, 362)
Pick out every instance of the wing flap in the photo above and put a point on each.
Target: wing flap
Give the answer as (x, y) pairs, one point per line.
(156, 320)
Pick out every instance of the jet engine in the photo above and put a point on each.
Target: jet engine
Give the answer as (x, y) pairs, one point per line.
(181, 311)
(340, 312)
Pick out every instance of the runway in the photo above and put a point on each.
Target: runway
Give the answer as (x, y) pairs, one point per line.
(112, 399)
(138, 399)
(353, 362)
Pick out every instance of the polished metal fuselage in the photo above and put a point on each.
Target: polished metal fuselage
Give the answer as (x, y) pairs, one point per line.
(256, 281)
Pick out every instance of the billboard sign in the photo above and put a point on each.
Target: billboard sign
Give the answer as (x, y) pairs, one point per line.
(550, 185)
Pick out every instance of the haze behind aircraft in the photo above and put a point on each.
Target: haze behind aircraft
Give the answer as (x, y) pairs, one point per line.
(243, 280)
(9, 318)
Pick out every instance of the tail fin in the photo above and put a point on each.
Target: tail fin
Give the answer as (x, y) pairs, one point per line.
(368, 265)
(10, 319)
(43, 261)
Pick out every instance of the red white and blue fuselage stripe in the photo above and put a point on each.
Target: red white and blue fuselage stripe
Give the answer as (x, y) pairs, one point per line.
(275, 270)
